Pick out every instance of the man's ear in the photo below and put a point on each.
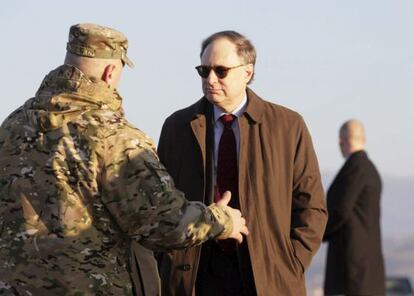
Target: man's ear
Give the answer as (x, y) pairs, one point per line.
(249, 72)
(107, 74)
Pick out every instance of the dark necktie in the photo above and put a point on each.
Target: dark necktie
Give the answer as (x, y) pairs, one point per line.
(227, 167)
(227, 172)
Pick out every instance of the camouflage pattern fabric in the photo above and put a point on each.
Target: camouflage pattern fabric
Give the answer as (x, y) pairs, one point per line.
(77, 183)
(95, 41)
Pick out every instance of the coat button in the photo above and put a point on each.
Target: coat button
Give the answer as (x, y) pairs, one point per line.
(184, 267)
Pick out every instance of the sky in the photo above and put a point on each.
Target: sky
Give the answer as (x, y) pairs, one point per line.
(329, 60)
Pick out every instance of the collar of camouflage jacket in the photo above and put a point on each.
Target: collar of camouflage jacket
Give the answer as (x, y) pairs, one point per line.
(66, 92)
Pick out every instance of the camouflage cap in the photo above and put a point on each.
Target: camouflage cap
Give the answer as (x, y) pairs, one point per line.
(95, 41)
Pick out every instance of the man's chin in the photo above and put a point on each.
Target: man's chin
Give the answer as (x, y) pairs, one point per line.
(213, 98)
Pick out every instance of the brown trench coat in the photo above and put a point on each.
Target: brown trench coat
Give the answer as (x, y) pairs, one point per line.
(280, 192)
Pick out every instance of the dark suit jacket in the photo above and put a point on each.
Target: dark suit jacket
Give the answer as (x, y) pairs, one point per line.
(355, 262)
(280, 192)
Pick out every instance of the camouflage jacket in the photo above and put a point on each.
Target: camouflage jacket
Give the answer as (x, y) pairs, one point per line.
(77, 183)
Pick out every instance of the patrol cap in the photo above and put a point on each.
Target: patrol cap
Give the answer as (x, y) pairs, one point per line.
(95, 41)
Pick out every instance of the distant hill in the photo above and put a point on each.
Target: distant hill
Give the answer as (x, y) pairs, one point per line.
(397, 207)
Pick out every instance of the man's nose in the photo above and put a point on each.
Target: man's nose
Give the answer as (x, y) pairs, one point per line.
(212, 77)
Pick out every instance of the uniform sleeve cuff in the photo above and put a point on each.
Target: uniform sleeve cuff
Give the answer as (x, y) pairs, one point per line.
(223, 218)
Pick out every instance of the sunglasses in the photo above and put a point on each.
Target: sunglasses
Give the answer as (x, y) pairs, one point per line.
(221, 71)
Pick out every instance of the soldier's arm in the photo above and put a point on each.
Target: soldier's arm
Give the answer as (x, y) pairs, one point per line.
(142, 199)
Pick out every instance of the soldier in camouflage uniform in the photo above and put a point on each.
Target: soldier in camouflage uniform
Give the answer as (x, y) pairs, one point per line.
(78, 182)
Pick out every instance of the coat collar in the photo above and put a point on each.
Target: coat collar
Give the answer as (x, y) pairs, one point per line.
(358, 154)
(255, 106)
(67, 80)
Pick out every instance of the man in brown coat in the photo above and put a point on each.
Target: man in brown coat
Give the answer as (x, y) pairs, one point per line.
(276, 183)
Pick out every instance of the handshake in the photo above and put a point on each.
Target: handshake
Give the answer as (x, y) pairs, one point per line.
(239, 223)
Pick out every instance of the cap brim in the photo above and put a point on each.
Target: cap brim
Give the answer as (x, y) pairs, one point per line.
(127, 61)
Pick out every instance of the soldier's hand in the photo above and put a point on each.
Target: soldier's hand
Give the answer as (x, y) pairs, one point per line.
(239, 223)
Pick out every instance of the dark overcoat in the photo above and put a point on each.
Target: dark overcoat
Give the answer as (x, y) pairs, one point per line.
(355, 262)
(280, 192)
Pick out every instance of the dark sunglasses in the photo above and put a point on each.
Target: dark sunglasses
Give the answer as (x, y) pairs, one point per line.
(221, 71)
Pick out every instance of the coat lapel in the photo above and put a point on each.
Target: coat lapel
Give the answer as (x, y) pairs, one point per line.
(203, 130)
(198, 125)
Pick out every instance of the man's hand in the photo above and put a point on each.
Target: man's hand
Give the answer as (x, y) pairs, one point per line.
(239, 223)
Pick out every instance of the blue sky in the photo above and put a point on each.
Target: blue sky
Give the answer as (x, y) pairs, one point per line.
(329, 60)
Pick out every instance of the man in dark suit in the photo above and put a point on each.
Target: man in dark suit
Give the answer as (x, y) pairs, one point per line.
(355, 263)
(231, 139)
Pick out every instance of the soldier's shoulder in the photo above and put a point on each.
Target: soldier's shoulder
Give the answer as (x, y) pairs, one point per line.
(119, 127)
(17, 115)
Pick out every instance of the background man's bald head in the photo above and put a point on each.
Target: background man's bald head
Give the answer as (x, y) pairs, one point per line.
(351, 137)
